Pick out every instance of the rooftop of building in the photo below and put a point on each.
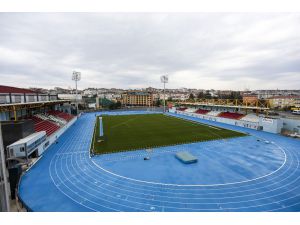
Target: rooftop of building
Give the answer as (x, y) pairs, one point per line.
(8, 89)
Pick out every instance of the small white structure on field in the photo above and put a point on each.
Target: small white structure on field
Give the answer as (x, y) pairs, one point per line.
(100, 127)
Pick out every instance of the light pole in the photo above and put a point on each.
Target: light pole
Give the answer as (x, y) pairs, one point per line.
(76, 76)
(164, 79)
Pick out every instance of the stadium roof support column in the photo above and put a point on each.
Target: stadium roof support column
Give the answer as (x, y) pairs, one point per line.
(15, 113)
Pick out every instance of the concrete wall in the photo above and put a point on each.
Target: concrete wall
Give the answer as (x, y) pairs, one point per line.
(271, 125)
(240, 123)
(16, 130)
(291, 125)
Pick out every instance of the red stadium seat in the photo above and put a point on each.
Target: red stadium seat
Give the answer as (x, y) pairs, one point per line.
(229, 115)
(202, 111)
(65, 116)
(182, 109)
(44, 125)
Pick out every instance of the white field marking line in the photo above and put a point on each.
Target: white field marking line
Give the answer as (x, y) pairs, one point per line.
(195, 122)
(112, 196)
(205, 203)
(159, 206)
(207, 122)
(71, 153)
(50, 173)
(83, 191)
(66, 187)
(297, 203)
(123, 123)
(93, 162)
(77, 189)
(226, 197)
(223, 188)
(193, 185)
(272, 196)
(91, 186)
(76, 193)
(153, 187)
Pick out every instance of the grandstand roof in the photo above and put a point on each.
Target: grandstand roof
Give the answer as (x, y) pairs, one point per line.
(28, 105)
(8, 89)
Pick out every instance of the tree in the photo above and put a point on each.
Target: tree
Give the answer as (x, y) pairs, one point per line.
(157, 103)
(207, 94)
(235, 95)
(192, 96)
(118, 105)
(200, 95)
(115, 105)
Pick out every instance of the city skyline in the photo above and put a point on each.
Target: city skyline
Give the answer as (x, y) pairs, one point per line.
(222, 51)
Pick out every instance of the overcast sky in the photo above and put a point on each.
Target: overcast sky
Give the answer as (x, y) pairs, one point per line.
(203, 50)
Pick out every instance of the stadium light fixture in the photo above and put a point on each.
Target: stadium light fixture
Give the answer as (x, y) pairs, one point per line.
(76, 76)
(164, 79)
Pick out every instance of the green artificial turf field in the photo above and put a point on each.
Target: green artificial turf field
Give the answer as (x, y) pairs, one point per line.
(131, 132)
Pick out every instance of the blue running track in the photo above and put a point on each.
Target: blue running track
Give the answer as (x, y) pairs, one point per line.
(260, 172)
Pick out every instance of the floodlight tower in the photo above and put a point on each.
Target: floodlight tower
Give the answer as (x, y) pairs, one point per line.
(76, 76)
(164, 79)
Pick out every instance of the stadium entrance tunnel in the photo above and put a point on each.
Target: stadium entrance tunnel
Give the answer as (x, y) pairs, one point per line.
(220, 162)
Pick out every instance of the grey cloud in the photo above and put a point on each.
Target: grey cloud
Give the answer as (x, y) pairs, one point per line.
(199, 50)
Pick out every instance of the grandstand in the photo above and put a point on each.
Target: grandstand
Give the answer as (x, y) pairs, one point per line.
(233, 105)
(44, 125)
(182, 108)
(62, 115)
(25, 113)
(40, 111)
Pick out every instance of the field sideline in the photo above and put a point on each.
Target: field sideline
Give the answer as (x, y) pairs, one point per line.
(131, 132)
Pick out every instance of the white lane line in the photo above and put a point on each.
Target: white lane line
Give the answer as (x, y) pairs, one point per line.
(192, 185)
